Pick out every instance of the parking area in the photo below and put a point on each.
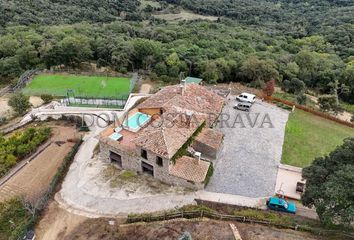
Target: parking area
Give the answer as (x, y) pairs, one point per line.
(248, 163)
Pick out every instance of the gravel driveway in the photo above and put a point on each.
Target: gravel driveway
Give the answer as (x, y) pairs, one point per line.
(248, 163)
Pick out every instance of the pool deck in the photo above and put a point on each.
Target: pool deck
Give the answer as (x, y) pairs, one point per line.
(134, 122)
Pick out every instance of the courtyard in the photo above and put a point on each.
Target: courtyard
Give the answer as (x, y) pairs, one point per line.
(248, 163)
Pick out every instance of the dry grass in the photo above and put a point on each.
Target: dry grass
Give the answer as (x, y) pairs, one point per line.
(184, 15)
(132, 182)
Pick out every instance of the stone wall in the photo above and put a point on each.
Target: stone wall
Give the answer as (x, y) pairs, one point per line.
(129, 159)
(132, 161)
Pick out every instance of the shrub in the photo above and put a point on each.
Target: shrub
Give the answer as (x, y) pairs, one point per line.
(294, 86)
(329, 103)
(301, 98)
(47, 98)
(266, 216)
(209, 174)
(14, 219)
(19, 103)
(19, 146)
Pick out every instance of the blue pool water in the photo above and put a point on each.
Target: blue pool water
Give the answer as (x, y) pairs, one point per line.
(137, 121)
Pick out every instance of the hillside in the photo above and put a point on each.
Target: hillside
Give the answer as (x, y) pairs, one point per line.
(14, 12)
(333, 19)
(302, 44)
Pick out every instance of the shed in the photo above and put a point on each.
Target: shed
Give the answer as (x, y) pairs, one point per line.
(189, 80)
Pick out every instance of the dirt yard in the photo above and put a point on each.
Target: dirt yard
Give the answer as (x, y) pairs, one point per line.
(5, 109)
(57, 223)
(75, 227)
(35, 177)
(145, 88)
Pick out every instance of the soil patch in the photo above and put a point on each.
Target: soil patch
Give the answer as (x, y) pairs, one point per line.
(32, 180)
(57, 223)
(202, 229)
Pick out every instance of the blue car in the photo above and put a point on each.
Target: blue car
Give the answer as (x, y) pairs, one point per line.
(279, 204)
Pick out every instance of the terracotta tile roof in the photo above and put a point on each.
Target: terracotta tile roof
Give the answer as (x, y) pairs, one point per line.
(166, 135)
(188, 168)
(210, 137)
(195, 98)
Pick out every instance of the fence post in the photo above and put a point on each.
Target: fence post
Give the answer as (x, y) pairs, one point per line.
(201, 213)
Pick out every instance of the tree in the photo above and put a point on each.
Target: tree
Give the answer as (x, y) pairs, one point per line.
(161, 69)
(20, 103)
(294, 85)
(269, 87)
(329, 103)
(210, 72)
(254, 69)
(330, 184)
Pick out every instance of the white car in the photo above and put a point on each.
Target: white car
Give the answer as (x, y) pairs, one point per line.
(246, 97)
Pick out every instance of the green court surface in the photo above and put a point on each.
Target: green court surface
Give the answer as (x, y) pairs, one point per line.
(78, 86)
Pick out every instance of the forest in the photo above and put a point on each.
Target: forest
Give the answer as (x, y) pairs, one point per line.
(299, 44)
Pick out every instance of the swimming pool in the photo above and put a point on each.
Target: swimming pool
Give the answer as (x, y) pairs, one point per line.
(136, 122)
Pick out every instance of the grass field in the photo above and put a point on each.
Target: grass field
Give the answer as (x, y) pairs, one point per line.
(308, 136)
(83, 86)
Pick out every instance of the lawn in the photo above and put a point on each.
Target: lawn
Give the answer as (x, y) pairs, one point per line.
(82, 86)
(308, 136)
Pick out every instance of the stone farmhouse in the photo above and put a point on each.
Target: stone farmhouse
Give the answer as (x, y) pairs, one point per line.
(169, 136)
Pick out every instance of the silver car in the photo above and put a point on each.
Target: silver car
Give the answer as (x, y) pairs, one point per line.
(244, 106)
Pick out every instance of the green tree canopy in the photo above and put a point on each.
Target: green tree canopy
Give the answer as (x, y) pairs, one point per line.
(330, 184)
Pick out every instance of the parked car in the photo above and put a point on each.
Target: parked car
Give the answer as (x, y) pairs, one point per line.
(244, 106)
(279, 204)
(246, 97)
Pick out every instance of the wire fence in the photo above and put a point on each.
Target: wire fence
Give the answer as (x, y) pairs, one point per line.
(117, 101)
(225, 217)
(24, 79)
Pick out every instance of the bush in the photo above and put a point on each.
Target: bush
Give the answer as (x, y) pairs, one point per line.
(47, 98)
(19, 103)
(19, 146)
(301, 99)
(329, 103)
(294, 86)
(14, 219)
(266, 216)
(209, 174)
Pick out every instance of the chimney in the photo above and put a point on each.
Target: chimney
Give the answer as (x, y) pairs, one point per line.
(197, 156)
(183, 86)
(182, 89)
(189, 118)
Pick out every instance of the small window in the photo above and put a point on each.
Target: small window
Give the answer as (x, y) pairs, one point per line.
(143, 154)
(159, 161)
